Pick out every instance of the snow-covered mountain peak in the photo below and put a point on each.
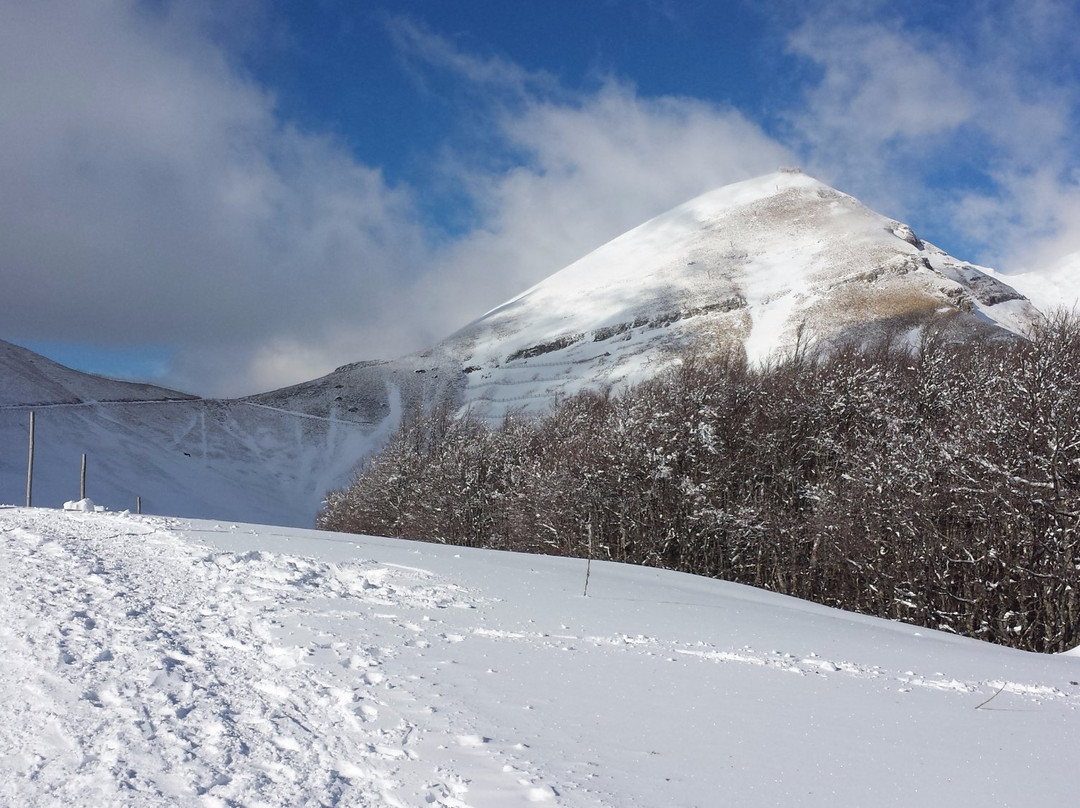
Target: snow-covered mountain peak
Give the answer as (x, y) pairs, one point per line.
(720, 201)
(755, 266)
(650, 251)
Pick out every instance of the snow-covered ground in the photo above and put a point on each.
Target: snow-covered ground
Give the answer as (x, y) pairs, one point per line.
(151, 661)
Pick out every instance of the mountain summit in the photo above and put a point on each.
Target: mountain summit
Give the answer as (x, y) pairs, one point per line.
(758, 266)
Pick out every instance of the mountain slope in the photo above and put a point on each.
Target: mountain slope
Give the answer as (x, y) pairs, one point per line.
(29, 378)
(214, 459)
(237, 460)
(757, 266)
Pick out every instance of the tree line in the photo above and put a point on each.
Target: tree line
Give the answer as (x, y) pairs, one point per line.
(937, 484)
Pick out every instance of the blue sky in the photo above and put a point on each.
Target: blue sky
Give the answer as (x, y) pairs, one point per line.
(231, 196)
(368, 66)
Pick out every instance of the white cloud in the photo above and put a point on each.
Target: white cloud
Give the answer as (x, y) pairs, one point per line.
(898, 105)
(591, 168)
(880, 84)
(152, 195)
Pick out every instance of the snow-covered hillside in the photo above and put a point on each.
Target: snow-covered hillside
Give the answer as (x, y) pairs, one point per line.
(149, 661)
(1054, 286)
(270, 457)
(246, 459)
(761, 265)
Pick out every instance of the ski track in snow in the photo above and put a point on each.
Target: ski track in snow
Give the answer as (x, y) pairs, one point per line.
(140, 668)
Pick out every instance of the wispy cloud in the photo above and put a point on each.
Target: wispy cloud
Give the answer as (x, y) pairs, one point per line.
(988, 99)
(425, 49)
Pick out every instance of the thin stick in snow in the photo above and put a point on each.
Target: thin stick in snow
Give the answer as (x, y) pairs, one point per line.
(30, 464)
(588, 563)
(983, 704)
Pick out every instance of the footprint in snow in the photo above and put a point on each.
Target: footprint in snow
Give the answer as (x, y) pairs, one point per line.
(472, 741)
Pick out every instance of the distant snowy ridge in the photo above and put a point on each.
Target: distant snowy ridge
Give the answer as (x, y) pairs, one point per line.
(29, 378)
(1054, 286)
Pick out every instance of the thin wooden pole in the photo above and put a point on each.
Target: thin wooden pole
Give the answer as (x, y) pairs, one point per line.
(588, 564)
(138, 504)
(82, 479)
(30, 465)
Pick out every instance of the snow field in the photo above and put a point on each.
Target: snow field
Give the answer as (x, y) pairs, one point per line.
(151, 661)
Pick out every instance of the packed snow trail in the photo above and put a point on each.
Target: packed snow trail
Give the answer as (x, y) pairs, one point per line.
(142, 670)
(153, 661)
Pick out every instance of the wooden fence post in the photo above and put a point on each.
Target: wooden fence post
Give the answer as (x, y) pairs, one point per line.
(30, 464)
(588, 564)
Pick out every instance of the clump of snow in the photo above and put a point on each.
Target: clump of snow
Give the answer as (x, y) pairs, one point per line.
(85, 505)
